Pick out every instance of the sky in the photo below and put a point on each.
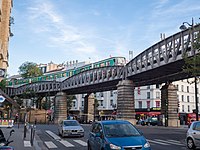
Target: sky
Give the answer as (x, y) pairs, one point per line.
(91, 30)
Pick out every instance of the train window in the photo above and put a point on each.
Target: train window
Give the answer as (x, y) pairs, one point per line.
(102, 64)
(108, 63)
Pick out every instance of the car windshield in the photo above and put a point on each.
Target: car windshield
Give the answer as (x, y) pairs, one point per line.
(71, 123)
(120, 130)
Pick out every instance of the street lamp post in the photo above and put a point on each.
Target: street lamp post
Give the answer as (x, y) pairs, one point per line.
(183, 27)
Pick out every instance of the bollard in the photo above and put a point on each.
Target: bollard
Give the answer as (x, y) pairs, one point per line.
(25, 130)
(31, 135)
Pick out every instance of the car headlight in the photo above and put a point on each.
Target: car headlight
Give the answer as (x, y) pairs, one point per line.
(112, 146)
(146, 145)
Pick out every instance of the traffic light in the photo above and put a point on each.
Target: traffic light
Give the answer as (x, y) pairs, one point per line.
(178, 104)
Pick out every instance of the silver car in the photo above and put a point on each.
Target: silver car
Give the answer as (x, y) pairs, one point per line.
(70, 128)
(193, 135)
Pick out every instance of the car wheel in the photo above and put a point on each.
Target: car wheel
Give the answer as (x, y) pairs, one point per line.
(190, 143)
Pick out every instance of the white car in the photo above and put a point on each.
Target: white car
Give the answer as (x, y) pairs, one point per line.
(70, 128)
(193, 135)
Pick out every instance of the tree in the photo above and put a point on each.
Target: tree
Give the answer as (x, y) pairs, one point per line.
(192, 68)
(29, 69)
(3, 84)
(192, 64)
(70, 98)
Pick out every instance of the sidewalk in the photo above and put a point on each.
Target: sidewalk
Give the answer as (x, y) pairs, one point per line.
(21, 143)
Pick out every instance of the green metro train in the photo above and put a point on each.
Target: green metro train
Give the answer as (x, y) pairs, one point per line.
(113, 61)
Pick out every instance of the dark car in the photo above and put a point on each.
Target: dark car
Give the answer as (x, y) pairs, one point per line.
(116, 135)
(150, 121)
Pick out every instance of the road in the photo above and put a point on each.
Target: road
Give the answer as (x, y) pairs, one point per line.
(164, 138)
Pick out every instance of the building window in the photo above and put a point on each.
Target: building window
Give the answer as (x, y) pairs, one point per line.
(188, 108)
(83, 96)
(101, 102)
(182, 108)
(101, 94)
(148, 87)
(197, 90)
(148, 95)
(157, 94)
(177, 87)
(140, 104)
(111, 93)
(182, 88)
(157, 86)
(82, 103)
(111, 102)
(157, 103)
(182, 98)
(148, 104)
(188, 99)
(188, 90)
(74, 104)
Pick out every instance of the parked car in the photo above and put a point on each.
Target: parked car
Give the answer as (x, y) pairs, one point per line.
(150, 121)
(70, 128)
(193, 135)
(116, 134)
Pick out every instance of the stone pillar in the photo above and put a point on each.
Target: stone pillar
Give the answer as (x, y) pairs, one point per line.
(125, 101)
(89, 107)
(60, 107)
(169, 105)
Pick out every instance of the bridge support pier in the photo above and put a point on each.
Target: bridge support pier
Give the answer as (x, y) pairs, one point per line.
(60, 107)
(169, 105)
(125, 101)
(89, 107)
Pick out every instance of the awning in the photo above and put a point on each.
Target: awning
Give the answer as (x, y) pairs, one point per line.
(148, 113)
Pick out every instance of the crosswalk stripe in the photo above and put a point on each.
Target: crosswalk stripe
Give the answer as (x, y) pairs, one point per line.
(50, 144)
(169, 142)
(157, 142)
(53, 135)
(174, 141)
(67, 144)
(27, 144)
(81, 142)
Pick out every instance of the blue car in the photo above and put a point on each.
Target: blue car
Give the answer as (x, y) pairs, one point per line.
(116, 135)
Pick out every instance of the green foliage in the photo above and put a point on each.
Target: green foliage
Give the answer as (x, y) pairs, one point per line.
(192, 64)
(29, 69)
(70, 98)
(3, 84)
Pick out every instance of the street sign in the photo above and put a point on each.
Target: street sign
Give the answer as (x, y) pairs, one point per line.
(2, 99)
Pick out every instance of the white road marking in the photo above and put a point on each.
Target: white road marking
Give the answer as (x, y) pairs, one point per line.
(174, 141)
(66, 144)
(27, 144)
(53, 135)
(80, 142)
(151, 141)
(169, 142)
(50, 144)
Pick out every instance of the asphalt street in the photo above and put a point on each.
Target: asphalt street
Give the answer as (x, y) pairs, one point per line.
(160, 138)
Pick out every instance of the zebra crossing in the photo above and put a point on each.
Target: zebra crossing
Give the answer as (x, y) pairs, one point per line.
(50, 144)
(75, 142)
(165, 142)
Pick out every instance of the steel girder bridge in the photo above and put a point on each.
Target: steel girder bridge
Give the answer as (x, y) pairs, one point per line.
(160, 63)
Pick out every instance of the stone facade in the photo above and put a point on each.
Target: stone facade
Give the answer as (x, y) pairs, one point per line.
(5, 8)
(89, 107)
(169, 105)
(60, 107)
(125, 101)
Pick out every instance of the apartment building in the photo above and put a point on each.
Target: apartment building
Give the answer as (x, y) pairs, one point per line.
(147, 100)
(5, 33)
